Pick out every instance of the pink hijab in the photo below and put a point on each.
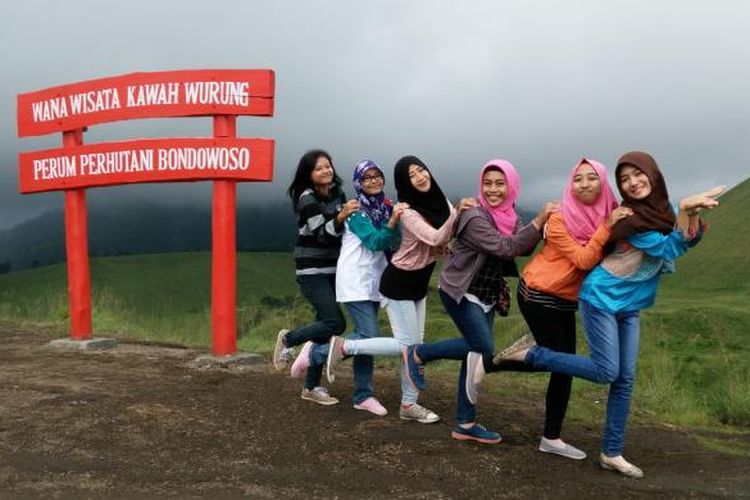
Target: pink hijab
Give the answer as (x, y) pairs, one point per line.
(504, 215)
(580, 219)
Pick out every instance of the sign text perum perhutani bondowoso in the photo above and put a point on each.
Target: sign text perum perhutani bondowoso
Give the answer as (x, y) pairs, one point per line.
(127, 161)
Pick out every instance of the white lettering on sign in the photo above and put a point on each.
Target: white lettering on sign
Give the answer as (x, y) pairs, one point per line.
(51, 109)
(54, 168)
(94, 101)
(216, 158)
(153, 94)
(227, 93)
(115, 162)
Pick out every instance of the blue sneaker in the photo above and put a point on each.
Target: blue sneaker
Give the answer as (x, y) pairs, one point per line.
(414, 369)
(477, 433)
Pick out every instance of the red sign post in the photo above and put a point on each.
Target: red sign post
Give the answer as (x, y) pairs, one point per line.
(225, 159)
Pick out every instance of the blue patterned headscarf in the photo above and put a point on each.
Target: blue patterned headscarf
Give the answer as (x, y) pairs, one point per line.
(378, 208)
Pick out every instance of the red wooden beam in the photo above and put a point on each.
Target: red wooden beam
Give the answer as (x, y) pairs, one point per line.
(147, 160)
(77, 249)
(224, 255)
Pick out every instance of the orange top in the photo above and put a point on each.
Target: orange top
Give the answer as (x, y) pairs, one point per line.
(559, 267)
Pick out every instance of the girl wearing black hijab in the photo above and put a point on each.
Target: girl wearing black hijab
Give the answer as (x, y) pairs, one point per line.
(426, 227)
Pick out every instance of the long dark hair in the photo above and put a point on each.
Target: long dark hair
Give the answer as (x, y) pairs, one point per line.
(305, 167)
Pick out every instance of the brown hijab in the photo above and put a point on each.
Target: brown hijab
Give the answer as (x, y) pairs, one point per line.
(653, 213)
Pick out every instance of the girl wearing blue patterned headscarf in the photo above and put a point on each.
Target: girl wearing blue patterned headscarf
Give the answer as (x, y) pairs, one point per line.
(369, 233)
(376, 206)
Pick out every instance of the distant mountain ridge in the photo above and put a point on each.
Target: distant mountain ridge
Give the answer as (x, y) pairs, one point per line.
(149, 228)
(145, 228)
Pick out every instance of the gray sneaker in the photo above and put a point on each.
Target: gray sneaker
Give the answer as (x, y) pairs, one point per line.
(335, 354)
(282, 354)
(418, 413)
(526, 341)
(567, 451)
(319, 395)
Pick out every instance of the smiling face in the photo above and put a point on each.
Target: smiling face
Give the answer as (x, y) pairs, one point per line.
(634, 183)
(372, 182)
(586, 184)
(322, 174)
(420, 178)
(494, 187)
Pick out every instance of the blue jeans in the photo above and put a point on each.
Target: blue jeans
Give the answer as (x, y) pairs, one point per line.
(613, 342)
(320, 291)
(365, 316)
(476, 327)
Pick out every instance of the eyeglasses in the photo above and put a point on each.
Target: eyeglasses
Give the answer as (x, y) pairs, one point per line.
(371, 178)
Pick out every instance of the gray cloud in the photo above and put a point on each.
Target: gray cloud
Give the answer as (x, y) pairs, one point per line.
(540, 83)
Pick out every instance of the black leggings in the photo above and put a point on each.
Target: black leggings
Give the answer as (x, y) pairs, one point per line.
(555, 329)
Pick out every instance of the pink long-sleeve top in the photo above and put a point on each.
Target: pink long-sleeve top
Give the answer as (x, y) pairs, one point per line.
(419, 239)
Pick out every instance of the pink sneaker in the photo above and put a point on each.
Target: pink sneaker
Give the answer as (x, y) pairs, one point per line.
(373, 406)
(301, 364)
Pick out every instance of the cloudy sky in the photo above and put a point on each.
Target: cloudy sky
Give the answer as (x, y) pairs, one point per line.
(539, 83)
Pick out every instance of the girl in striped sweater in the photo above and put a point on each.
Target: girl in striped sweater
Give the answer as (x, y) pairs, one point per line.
(321, 208)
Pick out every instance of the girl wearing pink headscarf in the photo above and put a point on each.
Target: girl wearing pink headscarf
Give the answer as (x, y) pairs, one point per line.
(488, 238)
(548, 290)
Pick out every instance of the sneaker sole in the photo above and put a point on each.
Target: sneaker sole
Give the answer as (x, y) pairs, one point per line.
(622, 473)
(330, 374)
(378, 414)
(305, 351)
(322, 403)
(420, 420)
(555, 451)
(464, 437)
(278, 364)
(472, 396)
(519, 344)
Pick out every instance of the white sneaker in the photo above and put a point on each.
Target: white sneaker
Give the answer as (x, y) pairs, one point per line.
(319, 395)
(619, 464)
(564, 450)
(418, 413)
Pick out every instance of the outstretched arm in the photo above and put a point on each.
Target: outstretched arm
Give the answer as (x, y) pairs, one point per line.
(688, 220)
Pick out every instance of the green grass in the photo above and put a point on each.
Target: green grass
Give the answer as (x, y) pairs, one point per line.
(693, 369)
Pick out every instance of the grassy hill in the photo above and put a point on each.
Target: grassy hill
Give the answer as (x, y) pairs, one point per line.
(721, 262)
(694, 366)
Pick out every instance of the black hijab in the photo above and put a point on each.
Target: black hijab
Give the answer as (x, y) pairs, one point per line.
(654, 212)
(432, 205)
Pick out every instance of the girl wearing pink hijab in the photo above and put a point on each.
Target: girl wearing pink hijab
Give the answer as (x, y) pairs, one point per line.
(488, 238)
(548, 290)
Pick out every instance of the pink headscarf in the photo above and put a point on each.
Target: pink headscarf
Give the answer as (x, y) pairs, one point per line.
(504, 215)
(580, 219)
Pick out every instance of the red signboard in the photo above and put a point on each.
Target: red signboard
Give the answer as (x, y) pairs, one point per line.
(147, 160)
(224, 159)
(146, 95)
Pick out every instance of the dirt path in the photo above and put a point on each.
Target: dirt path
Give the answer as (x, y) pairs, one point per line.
(138, 421)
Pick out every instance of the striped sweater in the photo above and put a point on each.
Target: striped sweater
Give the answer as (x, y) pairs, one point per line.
(318, 234)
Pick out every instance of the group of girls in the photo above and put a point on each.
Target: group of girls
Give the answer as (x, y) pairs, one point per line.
(369, 253)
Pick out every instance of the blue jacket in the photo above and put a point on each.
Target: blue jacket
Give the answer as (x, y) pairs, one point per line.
(627, 279)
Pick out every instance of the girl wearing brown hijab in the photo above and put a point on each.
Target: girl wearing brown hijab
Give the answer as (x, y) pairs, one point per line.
(613, 294)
